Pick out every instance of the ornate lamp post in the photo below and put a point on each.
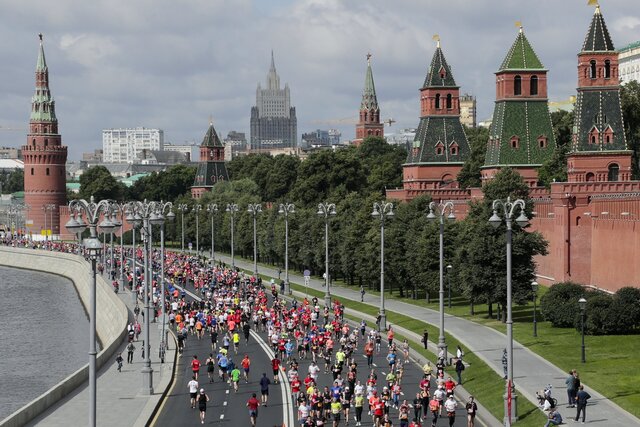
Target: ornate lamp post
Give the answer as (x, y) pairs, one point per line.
(232, 208)
(508, 209)
(326, 210)
(182, 207)
(140, 214)
(197, 209)
(286, 209)
(583, 309)
(534, 287)
(254, 209)
(212, 208)
(439, 211)
(382, 210)
(48, 208)
(118, 223)
(92, 211)
(449, 268)
(158, 218)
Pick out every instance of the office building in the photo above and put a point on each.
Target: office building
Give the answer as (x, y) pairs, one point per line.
(124, 145)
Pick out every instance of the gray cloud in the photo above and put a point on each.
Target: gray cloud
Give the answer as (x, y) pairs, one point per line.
(172, 64)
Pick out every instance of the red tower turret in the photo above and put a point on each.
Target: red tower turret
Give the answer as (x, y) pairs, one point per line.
(44, 157)
(369, 123)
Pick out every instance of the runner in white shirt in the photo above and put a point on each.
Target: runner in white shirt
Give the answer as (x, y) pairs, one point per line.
(193, 391)
(313, 371)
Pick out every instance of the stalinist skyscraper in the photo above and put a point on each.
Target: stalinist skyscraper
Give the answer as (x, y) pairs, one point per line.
(273, 119)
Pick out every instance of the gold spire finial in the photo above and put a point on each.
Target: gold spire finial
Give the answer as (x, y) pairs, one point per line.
(519, 25)
(436, 37)
(369, 58)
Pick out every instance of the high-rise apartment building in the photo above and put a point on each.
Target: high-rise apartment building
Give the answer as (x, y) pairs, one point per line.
(468, 110)
(273, 119)
(124, 145)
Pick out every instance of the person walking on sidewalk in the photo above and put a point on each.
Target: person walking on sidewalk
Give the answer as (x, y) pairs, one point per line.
(119, 361)
(581, 403)
(130, 349)
(425, 338)
(570, 383)
(459, 369)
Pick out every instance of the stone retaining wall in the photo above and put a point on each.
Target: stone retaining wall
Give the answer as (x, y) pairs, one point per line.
(111, 321)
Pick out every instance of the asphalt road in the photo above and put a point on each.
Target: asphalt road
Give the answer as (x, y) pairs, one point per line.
(228, 408)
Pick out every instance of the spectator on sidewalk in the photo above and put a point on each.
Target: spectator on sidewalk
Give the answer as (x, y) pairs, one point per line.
(459, 368)
(425, 338)
(554, 419)
(570, 381)
(581, 402)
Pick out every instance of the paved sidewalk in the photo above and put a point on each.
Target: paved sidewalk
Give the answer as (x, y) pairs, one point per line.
(118, 400)
(531, 372)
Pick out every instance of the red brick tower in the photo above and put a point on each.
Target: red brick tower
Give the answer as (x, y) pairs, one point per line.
(369, 123)
(44, 156)
(600, 151)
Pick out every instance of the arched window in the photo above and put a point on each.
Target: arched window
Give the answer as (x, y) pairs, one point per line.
(517, 85)
(47, 172)
(593, 140)
(449, 101)
(454, 151)
(607, 69)
(31, 171)
(514, 142)
(533, 89)
(542, 141)
(613, 172)
(590, 177)
(437, 101)
(33, 142)
(592, 69)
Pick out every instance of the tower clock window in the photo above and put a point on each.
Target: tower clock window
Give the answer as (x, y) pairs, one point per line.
(517, 85)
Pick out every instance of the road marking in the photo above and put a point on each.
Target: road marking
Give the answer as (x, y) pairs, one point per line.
(374, 365)
(222, 417)
(227, 392)
(224, 403)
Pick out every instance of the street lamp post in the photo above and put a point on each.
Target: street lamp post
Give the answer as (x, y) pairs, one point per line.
(381, 210)
(197, 209)
(534, 287)
(117, 223)
(286, 209)
(158, 218)
(508, 210)
(255, 209)
(212, 208)
(232, 208)
(449, 268)
(182, 207)
(326, 210)
(583, 309)
(439, 211)
(76, 224)
(140, 214)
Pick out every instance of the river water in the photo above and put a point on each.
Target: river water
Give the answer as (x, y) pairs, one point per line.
(44, 335)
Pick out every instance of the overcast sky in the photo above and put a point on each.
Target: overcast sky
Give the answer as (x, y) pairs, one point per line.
(172, 64)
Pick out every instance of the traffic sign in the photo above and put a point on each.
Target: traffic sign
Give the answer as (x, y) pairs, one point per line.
(307, 273)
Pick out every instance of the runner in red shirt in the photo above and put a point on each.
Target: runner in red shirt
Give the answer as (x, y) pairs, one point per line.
(195, 366)
(275, 364)
(253, 404)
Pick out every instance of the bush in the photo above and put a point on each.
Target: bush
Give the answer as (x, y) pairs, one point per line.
(560, 305)
(599, 319)
(625, 310)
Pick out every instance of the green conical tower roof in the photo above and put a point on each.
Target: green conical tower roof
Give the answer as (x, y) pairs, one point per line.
(439, 74)
(521, 56)
(211, 138)
(598, 38)
(41, 65)
(369, 98)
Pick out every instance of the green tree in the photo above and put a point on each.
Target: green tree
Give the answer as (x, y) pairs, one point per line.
(469, 175)
(98, 182)
(13, 181)
(555, 169)
(481, 259)
(165, 185)
(630, 101)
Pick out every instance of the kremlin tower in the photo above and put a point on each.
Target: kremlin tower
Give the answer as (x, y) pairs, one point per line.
(440, 146)
(212, 168)
(599, 148)
(521, 134)
(369, 123)
(44, 157)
